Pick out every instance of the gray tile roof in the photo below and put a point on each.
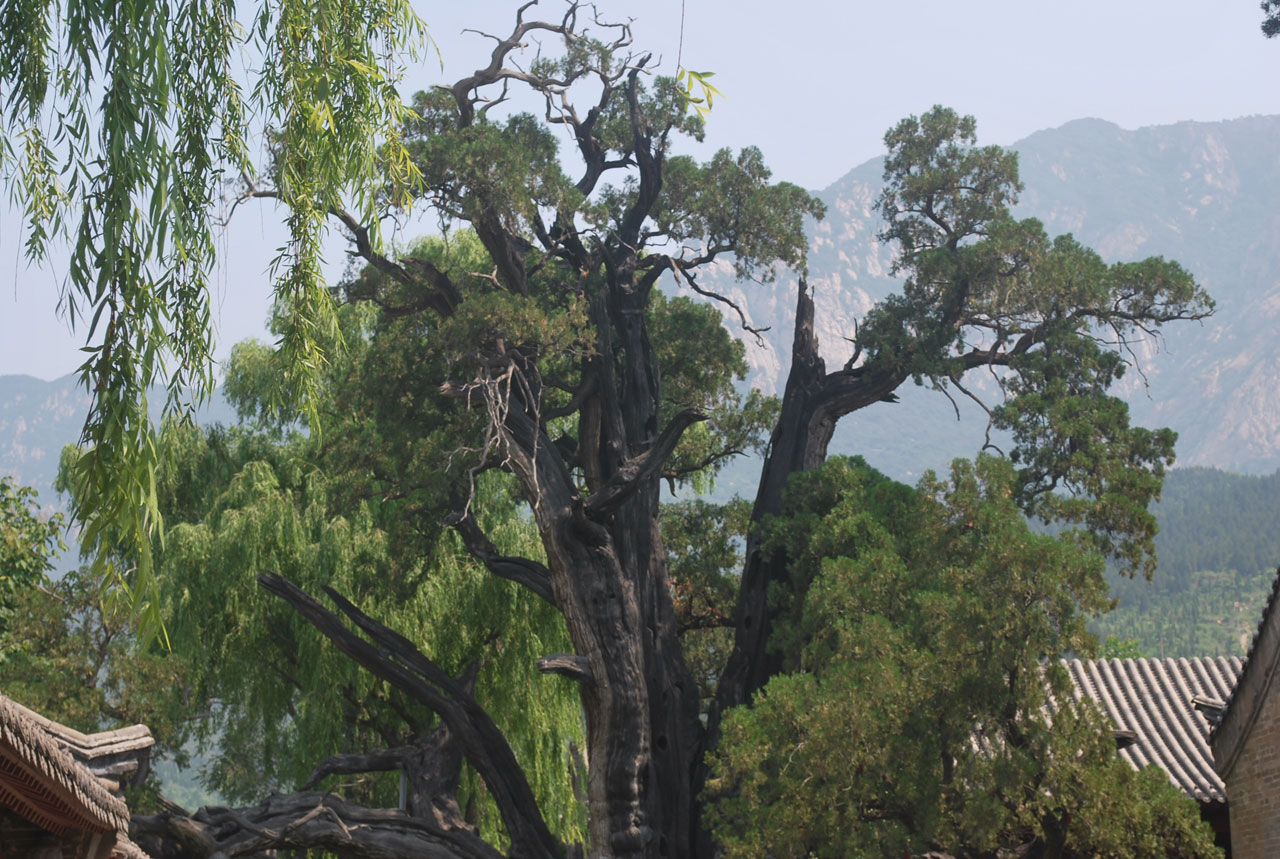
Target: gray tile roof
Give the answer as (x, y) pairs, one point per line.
(44, 783)
(1153, 698)
(115, 757)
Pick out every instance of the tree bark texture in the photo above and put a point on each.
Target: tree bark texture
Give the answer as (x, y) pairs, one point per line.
(308, 820)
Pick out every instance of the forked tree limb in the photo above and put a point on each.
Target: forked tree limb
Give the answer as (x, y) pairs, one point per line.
(382, 760)
(396, 660)
(631, 475)
(567, 665)
(524, 571)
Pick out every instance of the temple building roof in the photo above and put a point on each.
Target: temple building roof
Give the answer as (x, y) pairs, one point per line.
(1165, 710)
(64, 781)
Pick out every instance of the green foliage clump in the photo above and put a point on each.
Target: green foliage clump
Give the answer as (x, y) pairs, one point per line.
(701, 365)
(358, 506)
(924, 706)
(703, 544)
(1120, 648)
(28, 543)
(984, 289)
(283, 698)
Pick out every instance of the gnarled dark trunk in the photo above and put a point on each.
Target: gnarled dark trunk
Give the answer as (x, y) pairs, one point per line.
(813, 401)
(799, 442)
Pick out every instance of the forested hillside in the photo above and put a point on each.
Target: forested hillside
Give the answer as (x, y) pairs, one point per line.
(1215, 520)
(1219, 547)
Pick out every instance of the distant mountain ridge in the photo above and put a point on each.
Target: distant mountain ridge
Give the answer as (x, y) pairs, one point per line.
(39, 418)
(1202, 193)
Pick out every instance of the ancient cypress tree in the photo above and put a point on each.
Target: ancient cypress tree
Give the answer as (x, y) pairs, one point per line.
(547, 363)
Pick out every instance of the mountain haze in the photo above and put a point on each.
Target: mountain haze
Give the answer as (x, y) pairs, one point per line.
(39, 418)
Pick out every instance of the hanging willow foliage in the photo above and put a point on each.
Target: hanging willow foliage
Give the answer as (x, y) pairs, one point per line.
(119, 121)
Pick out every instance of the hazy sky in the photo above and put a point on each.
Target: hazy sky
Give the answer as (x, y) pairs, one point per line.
(814, 85)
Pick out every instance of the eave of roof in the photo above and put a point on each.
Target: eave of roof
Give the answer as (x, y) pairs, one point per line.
(87, 747)
(47, 783)
(1251, 690)
(1153, 698)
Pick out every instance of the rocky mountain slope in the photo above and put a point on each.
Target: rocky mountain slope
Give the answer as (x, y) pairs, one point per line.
(39, 418)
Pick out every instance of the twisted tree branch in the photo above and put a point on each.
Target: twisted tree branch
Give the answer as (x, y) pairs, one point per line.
(396, 660)
(306, 821)
(531, 574)
(631, 474)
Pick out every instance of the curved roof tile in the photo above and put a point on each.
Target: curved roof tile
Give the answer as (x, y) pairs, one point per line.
(68, 792)
(1153, 698)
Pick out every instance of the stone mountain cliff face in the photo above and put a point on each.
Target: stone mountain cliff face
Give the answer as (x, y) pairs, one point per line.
(36, 419)
(1205, 194)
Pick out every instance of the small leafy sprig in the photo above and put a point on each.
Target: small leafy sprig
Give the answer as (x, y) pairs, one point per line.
(696, 90)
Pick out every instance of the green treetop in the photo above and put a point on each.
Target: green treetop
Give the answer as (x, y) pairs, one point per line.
(28, 542)
(924, 706)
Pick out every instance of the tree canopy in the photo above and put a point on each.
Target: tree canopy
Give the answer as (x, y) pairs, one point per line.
(28, 543)
(119, 127)
(67, 648)
(923, 705)
(1271, 18)
(269, 496)
(532, 371)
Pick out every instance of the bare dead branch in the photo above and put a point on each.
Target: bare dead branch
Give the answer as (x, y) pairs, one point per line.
(857, 348)
(673, 474)
(378, 761)
(308, 821)
(567, 665)
(681, 274)
(939, 386)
